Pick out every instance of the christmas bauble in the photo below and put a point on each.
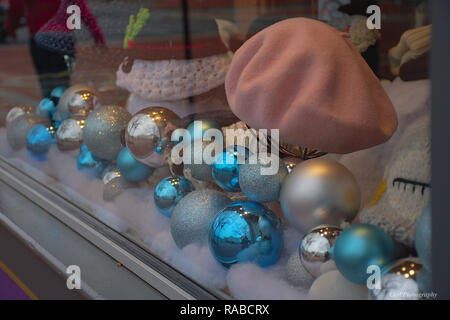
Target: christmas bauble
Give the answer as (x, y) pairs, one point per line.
(40, 138)
(148, 135)
(103, 131)
(131, 169)
(193, 216)
(361, 246)
(296, 272)
(88, 162)
(198, 128)
(226, 166)
(246, 231)
(69, 135)
(56, 93)
(17, 111)
(114, 188)
(319, 191)
(194, 161)
(18, 129)
(315, 247)
(262, 186)
(399, 281)
(422, 239)
(78, 98)
(333, 285)
(46, 108)
(169, 192)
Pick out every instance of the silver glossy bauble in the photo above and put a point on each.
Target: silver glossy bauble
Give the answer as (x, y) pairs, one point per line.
(193, 215)
(319, 191)
(69, 135)
(399, 281)
(78, 98)
(148, 134)
(315, 247)
(17, 111)
(114, 188)
(18, 129)
(103, 131)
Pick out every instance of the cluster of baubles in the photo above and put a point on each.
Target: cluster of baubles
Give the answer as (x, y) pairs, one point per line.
(318, 197)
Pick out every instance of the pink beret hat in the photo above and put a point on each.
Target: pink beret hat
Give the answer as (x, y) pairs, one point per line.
(306, 79)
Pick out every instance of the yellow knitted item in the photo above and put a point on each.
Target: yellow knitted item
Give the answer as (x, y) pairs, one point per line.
(378, 194)
(413, 43)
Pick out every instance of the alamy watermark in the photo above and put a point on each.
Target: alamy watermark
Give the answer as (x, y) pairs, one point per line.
(205, 149)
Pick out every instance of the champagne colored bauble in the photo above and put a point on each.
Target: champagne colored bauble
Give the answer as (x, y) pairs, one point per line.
(359, 247)
(169, 192)
(315, 247)
(148, 135)
(198, 128)
(103, 131)
(193, 216)
(319, 191)
(77, 99)
(18, 129)
(69, 135)
(246, 231)
(400, 281)
(17, 111)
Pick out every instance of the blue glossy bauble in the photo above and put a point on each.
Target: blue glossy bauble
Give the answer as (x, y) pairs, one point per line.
(46, 108)
(422, 239)
(225, 168)
(131, 169)
(246, 231)
(88, 162)
(360, 246)
(57, 92)
(169, 192)
(39, 139)
(197, 129)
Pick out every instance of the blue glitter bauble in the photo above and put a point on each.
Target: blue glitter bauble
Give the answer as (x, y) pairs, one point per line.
(57, 92)
(39, 139)
(246, 231)
(169, 192)
(225, 168)
(360, 246)
(87, 161)
(46, 108)
(131, 169)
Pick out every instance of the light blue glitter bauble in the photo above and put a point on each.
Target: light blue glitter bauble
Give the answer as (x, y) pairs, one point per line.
(423, 237)
(88, 162)
(360, 246)
(262, 187)
(39, 139)
(246, 231)
(46, 108)
(104, 129)
(169, 192)
(131, 169)
(225, 168)
(197, 129)
(192, 217)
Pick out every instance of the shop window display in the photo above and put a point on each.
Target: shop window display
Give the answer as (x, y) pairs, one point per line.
(143, 84)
